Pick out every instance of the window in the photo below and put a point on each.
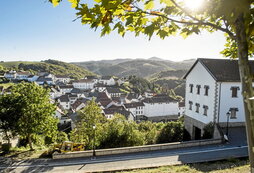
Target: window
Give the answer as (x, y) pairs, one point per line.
(197, 107)
(206, 90)
(191, 88)
(234, 91)
(190, 105)
(205, 110)
(233, 113)
(198, 89)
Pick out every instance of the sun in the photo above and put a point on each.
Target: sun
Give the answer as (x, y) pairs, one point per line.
(193, 4)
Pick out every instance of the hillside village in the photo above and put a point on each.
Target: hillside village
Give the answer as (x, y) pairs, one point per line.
(72, 95)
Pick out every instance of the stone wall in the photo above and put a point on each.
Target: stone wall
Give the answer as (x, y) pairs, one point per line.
(103, 152)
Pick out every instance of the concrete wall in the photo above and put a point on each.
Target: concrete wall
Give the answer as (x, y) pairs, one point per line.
(227, 102)
(123, 150)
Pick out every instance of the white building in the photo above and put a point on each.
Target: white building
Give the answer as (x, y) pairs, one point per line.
(136, 108)
(161, 107)
(107, 80)
(66, 88)
(84, 84)
(32, 78)
(10, 75)
(64, 101)
(213, 88)
(23, 75)
(62, 78)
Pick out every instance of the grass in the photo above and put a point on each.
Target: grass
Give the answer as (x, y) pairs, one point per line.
(22, 153)
(6, 85)
(226, 166)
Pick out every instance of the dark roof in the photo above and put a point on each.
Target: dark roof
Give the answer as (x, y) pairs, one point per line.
(91, 77)
(64, 98)
(65, 86)
(133, 105)
(222, 70)
(76, 90)
(106, 77)
(113, 90)
(100, 85)
(121, 111)
(79, 102)
(43, 79)
(155, 99)
(104, 102)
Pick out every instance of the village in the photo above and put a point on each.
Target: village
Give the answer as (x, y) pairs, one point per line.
(70, 96)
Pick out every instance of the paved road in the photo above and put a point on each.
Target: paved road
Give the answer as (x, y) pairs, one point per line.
(127, 161)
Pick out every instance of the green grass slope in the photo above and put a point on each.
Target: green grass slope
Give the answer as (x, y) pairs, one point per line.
(52, 66)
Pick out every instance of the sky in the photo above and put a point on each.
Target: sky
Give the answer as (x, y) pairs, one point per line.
(34, 30)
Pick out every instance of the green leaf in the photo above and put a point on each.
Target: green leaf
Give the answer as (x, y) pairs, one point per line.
(74, 3)
(149, 5)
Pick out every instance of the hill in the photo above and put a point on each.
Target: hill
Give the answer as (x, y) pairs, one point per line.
(138, 67)
(52, 66)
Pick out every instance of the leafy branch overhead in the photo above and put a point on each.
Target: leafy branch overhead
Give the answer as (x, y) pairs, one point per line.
(166, 17)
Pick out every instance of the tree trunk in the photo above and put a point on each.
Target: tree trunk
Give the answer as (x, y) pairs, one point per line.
(30, 142)
(246, 80)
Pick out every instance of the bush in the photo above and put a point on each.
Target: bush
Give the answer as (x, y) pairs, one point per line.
(171, 132)
(208, 131)
(6, 147)
(61, 137)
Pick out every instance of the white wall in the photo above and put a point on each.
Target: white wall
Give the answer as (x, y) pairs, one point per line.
(227, 102)
(83, 86)
(160, 109)
(200, 76)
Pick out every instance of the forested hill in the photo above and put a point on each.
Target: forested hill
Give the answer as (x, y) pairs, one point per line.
(138, 67)
(52, 66)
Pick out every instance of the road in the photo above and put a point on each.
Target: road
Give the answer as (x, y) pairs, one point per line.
(127, 161)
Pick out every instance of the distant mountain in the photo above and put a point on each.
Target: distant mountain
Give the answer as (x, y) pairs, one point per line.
(52, 66)
(139, 67)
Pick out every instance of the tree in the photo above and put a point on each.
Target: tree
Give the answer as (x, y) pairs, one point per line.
(9, 115)
(120, 132)
(171, 132)
(35, 112)
(170, 17)
(88, 118)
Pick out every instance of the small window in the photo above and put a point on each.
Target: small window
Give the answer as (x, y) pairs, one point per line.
(191, 88)
(206, 90)
(190, 105)
(205, 110)
(197, 107)
(233, 113)
(234, 91)
(198, 89)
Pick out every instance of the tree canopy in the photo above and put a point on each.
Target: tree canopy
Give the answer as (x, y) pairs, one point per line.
(34, 111)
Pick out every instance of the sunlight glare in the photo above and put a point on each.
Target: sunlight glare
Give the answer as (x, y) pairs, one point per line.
(193, 4)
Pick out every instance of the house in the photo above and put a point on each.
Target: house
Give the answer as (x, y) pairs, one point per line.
(10, 75)
(84, 84)
(114, 92)
(94, 78)
(133, 97)
(78, 92)
(54, 93)
(66, 88)
(32, 78)
(213, 89)
(62, 79)
(107, 80)
(161, 108)
(109, 112)
(181, 108)
(58, 113)
(79, 104)
(64, 102)
(136, 108)
(44, 80)
(23, 75)
(100, 87)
